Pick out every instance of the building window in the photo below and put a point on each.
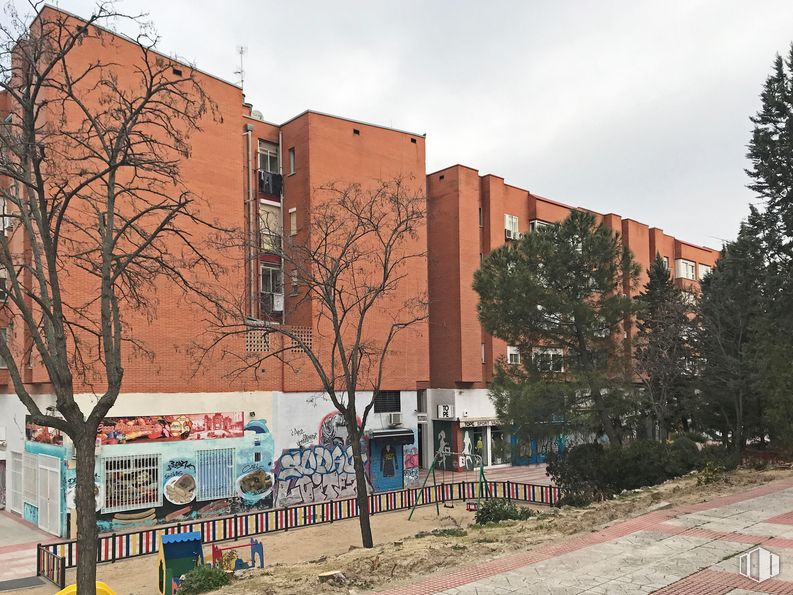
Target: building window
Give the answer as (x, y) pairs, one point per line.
(685, 269)
(292, 222)
(421, 401)
(268, 157)
(537, 224)
(511, 227)
(481, 218)
(214, 474)
(388, 401)
(548, 360)
(293, 281)
(483, 353)
(513, 356)
(292, 160)
(132, 482)
(704, 270)
(271, 295)
(666, 262)
(269, 227)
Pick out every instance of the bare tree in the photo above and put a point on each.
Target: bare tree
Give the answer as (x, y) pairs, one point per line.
(349, 269)
(95, 214)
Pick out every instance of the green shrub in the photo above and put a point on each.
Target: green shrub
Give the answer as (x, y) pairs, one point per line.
(581, 474)
(203, 579)
(710, 473)
(642, 463)
(684, 456)
(719, 456)
(494, 510)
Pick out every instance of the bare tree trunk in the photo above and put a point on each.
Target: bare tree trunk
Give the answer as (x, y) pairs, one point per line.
(85, 502)
(362, 494)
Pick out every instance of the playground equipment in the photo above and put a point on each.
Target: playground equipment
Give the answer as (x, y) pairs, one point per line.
(464, 460)
(101, 589)
(179, 553)
(230, 561)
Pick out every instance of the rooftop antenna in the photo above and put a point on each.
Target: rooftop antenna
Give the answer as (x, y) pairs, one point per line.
(241, 50)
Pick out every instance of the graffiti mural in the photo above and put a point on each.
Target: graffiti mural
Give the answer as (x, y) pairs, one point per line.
(442, 441)
(411, 457)
(314, 474)
(318, 472)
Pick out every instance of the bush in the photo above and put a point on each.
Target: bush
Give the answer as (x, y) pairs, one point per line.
(498, 509)
(719, 456)
(642, 463)
(710, 473)
(203, 579)
(581, 474)
(684, 456)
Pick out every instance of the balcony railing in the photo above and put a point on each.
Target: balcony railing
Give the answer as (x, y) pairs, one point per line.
(270, 183)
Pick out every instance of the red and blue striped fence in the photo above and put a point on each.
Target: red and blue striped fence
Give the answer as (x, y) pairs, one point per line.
(54, 558)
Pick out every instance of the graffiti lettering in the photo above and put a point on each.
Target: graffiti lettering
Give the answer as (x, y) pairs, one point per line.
(180, 465)
(315, 474)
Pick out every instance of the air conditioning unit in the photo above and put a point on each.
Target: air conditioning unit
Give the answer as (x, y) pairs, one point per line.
(394, 419)
(517, 235)
(508, 234)
(421, 418)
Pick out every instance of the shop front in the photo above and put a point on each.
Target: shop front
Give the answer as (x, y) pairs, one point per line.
(387, 458)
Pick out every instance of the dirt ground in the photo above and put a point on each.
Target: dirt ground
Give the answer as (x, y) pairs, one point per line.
(295, 558)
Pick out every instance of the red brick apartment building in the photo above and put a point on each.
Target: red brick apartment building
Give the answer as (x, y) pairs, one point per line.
(178, 445)
(462, 356)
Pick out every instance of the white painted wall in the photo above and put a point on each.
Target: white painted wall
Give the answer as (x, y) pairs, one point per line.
(297, 416)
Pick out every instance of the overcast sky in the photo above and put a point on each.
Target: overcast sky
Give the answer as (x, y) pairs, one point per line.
(634, 107)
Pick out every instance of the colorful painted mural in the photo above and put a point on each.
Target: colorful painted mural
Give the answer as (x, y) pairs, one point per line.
(165, 428)
(411, 473)
(442, 441)
(42, 434)
(319, 472)
(387, 465)
(184, 478)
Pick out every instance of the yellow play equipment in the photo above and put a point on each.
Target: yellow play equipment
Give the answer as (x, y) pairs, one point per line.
(101, 589)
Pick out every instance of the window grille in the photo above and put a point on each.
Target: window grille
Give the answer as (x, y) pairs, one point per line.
(304, 335)
(215, 473)
(257, 341)
(388, 401)
(132, 482)
(15, 503)
(30, 478)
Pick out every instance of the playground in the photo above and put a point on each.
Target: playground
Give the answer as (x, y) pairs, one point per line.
(139, 576)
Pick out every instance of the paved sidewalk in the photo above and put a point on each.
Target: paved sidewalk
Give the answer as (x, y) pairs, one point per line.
(18, 541)
(682, 550)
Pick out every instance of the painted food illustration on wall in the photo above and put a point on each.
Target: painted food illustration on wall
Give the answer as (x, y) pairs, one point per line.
(254, 485)
(168, 428)
(180, 489)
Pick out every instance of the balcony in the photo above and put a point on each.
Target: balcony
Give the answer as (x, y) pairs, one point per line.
(270, 184)
(270, 242)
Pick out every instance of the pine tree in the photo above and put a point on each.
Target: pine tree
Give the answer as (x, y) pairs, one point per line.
(662, 357)
(561, 287)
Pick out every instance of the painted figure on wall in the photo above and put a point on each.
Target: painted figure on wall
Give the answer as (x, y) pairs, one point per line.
(388, 463)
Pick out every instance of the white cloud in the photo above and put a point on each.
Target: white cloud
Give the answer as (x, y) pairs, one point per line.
(639, 108)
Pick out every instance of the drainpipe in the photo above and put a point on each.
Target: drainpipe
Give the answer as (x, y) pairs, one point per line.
(249, 227)
(283, 227)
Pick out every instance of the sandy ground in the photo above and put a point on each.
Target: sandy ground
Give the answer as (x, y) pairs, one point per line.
(138, 576)
(295, 558)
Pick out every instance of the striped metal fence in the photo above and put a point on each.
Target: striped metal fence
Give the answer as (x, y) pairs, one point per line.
(51, 566)
(118, 546)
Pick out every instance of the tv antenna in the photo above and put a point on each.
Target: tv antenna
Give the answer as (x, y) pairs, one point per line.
(241, 50)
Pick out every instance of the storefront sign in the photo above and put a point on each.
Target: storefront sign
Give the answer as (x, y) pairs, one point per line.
(478, 423)
(166, 428)
(445, 411)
